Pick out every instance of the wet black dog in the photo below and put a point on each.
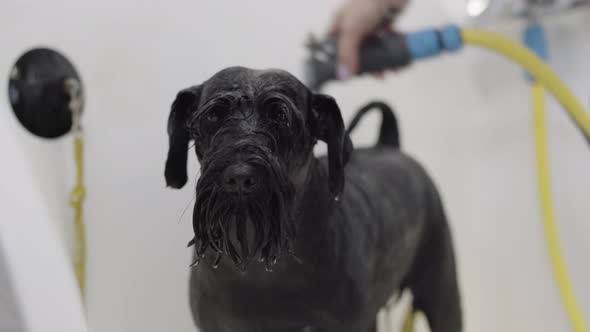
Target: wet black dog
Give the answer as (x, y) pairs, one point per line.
(327, 256)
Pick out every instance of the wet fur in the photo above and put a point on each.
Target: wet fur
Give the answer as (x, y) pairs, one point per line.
(387, 232)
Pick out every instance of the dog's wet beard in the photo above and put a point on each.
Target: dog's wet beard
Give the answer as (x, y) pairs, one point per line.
(222, 224)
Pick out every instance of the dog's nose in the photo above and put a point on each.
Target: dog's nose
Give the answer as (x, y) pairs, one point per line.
(240, 178)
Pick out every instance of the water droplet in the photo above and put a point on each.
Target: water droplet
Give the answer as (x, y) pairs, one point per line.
(196, 262)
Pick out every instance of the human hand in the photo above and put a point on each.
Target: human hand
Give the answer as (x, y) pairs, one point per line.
(356, 20)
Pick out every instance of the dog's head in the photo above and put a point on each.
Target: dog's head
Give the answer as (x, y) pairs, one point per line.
(253, 133)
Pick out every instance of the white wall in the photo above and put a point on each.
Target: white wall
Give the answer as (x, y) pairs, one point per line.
(37, 287)
(465, 116)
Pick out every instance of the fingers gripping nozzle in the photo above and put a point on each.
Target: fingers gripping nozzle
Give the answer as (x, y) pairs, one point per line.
(388, 50)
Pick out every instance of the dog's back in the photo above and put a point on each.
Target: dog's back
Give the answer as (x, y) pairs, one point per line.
(400, 233)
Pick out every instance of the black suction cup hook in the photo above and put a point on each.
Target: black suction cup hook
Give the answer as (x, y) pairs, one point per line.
(46, 93)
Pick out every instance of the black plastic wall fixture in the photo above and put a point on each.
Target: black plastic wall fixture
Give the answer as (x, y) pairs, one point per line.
(37, 92)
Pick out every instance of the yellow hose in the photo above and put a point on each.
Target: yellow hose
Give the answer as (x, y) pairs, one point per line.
(76, 199)
(545, 79)
(535, 66)
(551, 236)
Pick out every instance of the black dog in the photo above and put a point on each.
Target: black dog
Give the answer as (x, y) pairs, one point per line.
(337, 254)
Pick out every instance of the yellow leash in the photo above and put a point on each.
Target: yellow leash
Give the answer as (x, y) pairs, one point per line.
(73, 88)
(408, 324)
(76, 200)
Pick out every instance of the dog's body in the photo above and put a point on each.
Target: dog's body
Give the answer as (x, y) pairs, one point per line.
(386, 232)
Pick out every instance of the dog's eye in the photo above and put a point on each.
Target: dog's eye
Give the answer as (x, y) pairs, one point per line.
(214, 115)
(212, 118)
(278, 113)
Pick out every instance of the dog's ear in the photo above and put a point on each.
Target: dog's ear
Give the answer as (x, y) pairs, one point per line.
(329, 127)
(179, 137)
